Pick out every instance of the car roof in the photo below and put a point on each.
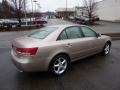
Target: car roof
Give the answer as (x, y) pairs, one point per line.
(65, 25)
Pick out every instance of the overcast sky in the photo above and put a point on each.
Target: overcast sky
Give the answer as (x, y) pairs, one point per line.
(52, 5)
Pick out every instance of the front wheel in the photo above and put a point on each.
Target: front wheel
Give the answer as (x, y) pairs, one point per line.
(59, 65)
(106, 49)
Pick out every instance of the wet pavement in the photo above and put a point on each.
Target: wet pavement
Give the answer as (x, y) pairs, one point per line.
(107, 27)
(101, 27)
(93, 73)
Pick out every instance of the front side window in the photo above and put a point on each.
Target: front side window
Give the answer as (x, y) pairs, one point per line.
(73, 32)
(43, 32)
(88, 32)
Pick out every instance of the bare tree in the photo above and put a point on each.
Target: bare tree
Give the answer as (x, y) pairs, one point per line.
(6, 10)
(90, 6)
(19, 6)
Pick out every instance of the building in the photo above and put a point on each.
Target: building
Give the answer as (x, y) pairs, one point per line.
(48, 14)
(80, 11)
(109, 10)
(65, 12)
(75, 11)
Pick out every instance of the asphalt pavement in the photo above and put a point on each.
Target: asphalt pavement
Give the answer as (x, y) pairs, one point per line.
(101, 27)
(93, 73)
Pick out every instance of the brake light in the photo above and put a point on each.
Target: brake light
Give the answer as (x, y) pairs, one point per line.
(27, 51)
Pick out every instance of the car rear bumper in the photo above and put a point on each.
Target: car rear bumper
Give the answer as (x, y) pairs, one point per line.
(29, 64)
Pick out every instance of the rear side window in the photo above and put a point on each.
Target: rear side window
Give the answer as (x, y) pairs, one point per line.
(73, 32)
(88, 32)
(63, 35)
(43, 32)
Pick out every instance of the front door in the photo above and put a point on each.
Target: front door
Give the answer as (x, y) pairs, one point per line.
(93, 40)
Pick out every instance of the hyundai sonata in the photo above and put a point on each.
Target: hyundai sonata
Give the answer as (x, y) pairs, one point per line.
(53, 48)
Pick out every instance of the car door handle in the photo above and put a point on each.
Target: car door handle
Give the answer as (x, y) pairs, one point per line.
(69, 45)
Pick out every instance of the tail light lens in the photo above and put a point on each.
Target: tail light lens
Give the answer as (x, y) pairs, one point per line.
(27, 51)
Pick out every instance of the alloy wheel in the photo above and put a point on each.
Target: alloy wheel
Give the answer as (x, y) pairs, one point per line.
(107, 49)
(60, 65)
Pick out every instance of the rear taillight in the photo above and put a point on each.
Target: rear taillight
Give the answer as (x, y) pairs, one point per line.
(27, 51)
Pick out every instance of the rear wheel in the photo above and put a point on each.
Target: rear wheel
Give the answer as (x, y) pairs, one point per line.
(106, 49)
(59, 65)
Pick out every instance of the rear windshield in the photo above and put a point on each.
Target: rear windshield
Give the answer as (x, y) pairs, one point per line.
(43, 32)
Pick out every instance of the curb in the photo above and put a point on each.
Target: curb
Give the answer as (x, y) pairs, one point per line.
(114, 36)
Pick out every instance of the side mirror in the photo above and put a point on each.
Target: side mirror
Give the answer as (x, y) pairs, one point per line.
(98, 35)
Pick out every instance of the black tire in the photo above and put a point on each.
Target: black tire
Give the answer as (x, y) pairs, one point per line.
(53, 69)
(106, 49)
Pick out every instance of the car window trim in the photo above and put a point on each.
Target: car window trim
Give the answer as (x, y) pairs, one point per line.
(58, 39)
(90, 29)
(79, 32)
(67, 35)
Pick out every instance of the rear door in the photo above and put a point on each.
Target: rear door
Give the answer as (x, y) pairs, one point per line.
(73, 41)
